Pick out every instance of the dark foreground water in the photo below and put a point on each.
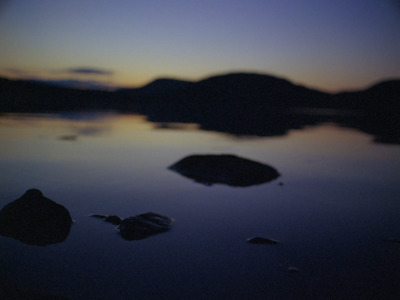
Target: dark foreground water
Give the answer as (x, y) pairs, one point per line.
(332, 210)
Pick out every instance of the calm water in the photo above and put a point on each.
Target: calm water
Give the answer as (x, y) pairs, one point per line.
(339, 201)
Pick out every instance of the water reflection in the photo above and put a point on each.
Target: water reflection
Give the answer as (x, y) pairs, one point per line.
(266, 123)
(174, 125)
(78, 124)
(273, 121)
(339, 200)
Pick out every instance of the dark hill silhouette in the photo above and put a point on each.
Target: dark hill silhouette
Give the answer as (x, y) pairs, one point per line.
(236, 103)
(380, 105)
(159, 86)
(383, 96)
(231, 89)
(31, 96)
(259, 88)
(239, 103)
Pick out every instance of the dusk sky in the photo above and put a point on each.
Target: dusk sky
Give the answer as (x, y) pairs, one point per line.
(327, 44)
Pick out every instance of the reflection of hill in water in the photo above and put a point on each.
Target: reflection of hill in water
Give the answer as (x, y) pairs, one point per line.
(240, 104)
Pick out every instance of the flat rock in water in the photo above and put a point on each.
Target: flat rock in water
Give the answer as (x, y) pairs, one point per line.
(262, 240)
(225, 169)
(144, 225)
(36, 220)
(115, 220)
(140, 226)
(292, 269)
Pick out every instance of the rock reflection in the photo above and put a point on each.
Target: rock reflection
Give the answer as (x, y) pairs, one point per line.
(35, 220)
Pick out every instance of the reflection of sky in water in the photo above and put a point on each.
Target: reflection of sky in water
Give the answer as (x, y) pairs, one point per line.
(338, 203)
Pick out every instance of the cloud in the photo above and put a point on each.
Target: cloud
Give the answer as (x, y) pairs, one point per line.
(79, 77)
(89, 71)
(15, 72)
(80, 84)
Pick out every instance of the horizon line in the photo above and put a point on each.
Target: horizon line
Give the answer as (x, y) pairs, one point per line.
(96, 85)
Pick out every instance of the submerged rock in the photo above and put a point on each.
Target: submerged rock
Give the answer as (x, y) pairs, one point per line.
(292, 269)
(144, 225)
(35, 220)
(68, 137)
(140, 226)
(262, 240)
(225, 169)
(115, 220)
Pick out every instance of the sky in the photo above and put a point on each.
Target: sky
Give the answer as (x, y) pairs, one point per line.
(331, 45)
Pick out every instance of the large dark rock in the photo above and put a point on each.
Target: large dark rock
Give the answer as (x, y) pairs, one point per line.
(225, 169)
(140, 226)
(35, 220)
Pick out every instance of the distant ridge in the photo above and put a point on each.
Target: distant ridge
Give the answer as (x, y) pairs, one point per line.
(385, 94)
(158, 86)
(237, 89)
(32, 96)
(166, 84)
(238, 103)
(380, 105)
(259, 88)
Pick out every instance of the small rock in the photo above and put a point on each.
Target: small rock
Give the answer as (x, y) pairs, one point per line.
(68, 137)
(144, 225)
(293, 269)
(115, 220)
(262, 240)
(98, 216)
(140, 226)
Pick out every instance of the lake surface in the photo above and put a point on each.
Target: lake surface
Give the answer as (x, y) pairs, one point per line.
(332, 210)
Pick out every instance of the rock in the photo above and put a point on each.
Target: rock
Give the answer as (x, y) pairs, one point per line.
(115, 220)
(68, 137)
(98, 216)
(140, 226)
(393, 240)
(262, 240)
(35, 220)
(144, 225)
(225, 169)
(292, 269)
